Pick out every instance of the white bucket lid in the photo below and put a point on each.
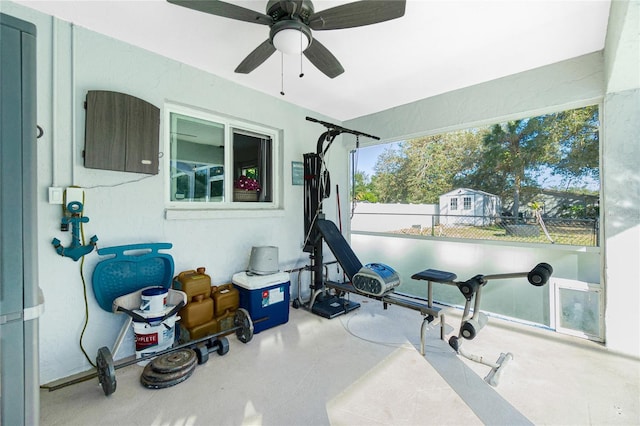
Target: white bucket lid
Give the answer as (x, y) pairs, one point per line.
(263, 260)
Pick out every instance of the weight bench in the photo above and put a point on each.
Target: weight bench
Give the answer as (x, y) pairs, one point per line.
(473, 320)
(351, 265)
(428, 309)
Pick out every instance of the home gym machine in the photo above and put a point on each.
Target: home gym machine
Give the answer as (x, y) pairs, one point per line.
(378, 281)
(317, 187)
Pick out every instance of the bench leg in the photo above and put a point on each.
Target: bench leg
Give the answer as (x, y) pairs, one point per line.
(424, 327)
(423, 334)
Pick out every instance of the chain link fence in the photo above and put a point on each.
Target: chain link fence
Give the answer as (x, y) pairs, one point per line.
(579, 232)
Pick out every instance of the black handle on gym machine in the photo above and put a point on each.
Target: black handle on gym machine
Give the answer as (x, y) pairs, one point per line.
(341, 129)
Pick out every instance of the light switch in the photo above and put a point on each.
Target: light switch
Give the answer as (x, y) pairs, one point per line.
(55, 195)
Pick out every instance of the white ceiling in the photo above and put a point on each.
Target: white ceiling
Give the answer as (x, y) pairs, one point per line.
(438, 46)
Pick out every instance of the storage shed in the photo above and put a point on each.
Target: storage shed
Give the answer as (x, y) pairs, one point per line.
(464, 206)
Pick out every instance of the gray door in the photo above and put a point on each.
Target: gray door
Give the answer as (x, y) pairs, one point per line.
(19, 301)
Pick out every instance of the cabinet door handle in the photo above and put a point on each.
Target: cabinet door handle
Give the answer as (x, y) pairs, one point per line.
(40, 132)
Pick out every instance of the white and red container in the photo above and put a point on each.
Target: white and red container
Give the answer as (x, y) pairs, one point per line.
(156, 335)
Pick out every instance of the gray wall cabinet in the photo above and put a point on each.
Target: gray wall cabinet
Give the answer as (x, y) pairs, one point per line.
(121, 133)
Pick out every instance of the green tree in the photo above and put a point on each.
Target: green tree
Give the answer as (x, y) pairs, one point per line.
(516, 152)
(391, 174)
(513, 151)
(422, 169)
(576, 132)
(506, 159)
(363, 188)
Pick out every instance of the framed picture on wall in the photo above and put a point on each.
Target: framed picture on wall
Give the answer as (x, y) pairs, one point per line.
(297, 173)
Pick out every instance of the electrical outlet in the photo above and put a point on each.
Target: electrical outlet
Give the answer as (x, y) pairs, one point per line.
(74, 194)
(55, 195)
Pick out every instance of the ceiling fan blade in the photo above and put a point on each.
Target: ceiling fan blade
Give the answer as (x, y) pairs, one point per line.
(324, 60)
(256, 58)
(357, 14)
(226, 10)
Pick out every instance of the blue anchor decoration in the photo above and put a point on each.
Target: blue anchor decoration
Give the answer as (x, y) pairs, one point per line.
(76, 250)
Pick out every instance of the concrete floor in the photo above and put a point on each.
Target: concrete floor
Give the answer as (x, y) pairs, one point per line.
(365, 368)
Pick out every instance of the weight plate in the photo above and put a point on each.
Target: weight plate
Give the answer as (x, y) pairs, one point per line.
(167, 383)
(106, 371)
(174, 361)
(152, 376)
(242, 320)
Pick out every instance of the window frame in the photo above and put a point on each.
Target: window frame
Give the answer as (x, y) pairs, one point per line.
(230, 124)
(453, 204)
(465, 205)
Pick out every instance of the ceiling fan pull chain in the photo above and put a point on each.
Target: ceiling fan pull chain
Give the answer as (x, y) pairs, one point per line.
(301, 73)
(282, 73)
(301, 52)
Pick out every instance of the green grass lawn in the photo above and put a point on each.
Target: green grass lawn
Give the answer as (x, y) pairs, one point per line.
(562, 234)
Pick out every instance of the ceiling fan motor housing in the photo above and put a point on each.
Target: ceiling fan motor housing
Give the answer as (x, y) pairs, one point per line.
(279, 9)
(290, 15)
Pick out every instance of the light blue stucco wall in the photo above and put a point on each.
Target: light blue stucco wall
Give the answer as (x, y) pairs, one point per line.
(128, 208)
(621, 178)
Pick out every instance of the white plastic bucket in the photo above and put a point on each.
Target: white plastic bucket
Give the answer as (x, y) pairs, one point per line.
(264, 260)
(154, 300)
(154, 337)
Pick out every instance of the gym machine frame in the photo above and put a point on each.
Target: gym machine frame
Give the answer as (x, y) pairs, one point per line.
(316, 188)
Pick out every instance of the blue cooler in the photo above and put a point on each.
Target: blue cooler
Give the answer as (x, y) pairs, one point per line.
(264, 296)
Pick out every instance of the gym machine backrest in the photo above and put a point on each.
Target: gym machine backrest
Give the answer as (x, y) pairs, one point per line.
(339, 247)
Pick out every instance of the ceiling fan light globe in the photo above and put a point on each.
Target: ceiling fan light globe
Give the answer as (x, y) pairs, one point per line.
(290, 41)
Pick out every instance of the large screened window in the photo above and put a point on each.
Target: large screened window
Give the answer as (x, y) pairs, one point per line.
(218, 162)
(534, 179)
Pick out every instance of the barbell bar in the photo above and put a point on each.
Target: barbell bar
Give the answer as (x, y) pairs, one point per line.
(243, 327)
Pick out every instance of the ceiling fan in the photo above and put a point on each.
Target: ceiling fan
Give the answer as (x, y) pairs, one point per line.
(292, 22)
